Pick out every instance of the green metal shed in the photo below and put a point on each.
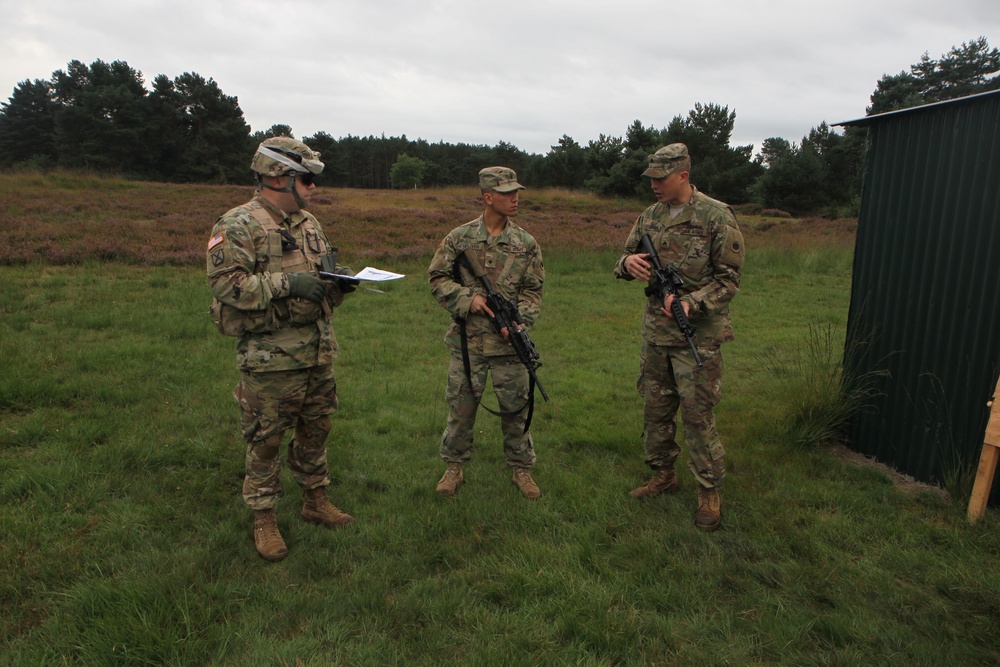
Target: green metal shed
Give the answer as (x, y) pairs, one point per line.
(924, 319)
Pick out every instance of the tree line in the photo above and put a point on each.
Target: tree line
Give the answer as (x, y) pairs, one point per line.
(101, 117)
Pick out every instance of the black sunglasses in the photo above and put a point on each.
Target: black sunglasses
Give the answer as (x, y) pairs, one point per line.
(307, 178)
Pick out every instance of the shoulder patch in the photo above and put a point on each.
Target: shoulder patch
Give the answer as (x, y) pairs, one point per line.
(733, 249)
(216, 240)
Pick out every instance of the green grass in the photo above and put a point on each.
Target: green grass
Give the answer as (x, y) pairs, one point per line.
(125, 542)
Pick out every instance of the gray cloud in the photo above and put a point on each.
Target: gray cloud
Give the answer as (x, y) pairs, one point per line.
(524, 72)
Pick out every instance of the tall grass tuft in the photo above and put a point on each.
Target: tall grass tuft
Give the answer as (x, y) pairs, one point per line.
(810, 382)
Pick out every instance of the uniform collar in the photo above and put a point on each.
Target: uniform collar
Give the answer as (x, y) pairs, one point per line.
(483, 234)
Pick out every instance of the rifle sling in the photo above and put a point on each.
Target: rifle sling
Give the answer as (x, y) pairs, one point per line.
(478, 395)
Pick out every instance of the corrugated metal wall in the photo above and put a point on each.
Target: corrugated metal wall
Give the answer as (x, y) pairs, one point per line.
(925, 300)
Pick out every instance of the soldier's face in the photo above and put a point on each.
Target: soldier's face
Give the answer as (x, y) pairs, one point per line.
(504, 203)
(289, 202)
(305, 186)
(669, 188)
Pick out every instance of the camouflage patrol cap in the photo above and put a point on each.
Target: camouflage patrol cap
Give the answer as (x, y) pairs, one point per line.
(667, 160)
(278, 156)
(500, 179)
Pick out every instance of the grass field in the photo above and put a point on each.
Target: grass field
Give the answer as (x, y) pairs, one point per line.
(125, 541)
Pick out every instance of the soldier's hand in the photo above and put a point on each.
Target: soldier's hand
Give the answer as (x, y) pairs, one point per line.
(479, 306)
(307, 286)
(345, 285)
(668, 304)
(638, 266)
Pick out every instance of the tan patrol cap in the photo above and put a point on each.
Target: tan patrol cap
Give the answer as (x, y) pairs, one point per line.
(666, 161)
(500, 179)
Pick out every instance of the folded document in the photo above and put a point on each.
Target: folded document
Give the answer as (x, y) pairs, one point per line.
(368, 273)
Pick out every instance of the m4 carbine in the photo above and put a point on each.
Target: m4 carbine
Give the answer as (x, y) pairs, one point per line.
(506, 316)
(666, 280)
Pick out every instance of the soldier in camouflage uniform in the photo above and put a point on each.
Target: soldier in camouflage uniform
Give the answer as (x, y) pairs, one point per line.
(700, 238)
(512, 261)
(262, 268)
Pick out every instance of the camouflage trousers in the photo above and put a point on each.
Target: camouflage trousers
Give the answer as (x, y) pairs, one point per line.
(669, 379)
(510, 385)
(273, 403)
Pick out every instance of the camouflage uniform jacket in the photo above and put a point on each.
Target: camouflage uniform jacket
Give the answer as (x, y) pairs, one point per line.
(705, 245)
(247, 266)
(513, 264)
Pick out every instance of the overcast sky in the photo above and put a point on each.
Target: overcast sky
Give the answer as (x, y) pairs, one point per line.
(524, 72)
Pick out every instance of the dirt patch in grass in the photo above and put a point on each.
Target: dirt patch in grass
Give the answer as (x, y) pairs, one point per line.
(901, 480)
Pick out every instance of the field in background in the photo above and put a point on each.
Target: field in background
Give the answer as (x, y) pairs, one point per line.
(125, 541)
(69, 219)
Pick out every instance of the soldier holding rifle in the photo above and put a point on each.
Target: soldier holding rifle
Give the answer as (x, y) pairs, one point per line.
(680, 365)
(489, 251)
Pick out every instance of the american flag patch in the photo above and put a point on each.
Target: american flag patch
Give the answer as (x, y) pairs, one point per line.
(216, 240)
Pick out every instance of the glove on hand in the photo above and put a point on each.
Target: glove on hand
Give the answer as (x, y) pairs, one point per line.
(307, 286)
(345, 285)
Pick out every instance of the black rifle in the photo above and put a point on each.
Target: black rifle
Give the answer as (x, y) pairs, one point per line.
(668, 281)
(506, 316)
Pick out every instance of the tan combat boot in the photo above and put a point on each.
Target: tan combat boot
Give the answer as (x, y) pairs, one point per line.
(266, 537)
(522, 480)
(450, 480)
(709, 515)
(663, 481)
(317, 509)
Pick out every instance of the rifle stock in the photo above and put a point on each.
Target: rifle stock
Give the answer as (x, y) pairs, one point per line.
(668, 281)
